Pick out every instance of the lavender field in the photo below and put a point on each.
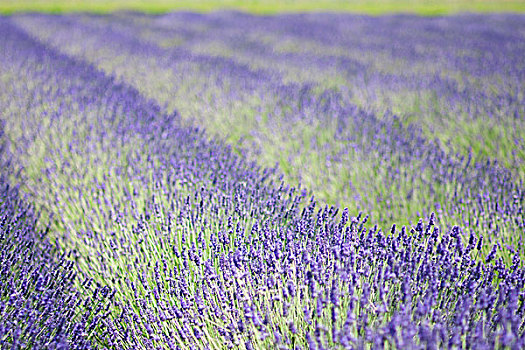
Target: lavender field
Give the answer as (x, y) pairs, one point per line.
(234, 181)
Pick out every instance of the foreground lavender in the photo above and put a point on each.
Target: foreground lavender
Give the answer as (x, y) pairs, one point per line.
(39, 305)
(200, 248)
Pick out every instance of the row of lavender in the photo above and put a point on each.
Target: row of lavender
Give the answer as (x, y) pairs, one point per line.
(39, 305)
(198, 247)
(231, 73)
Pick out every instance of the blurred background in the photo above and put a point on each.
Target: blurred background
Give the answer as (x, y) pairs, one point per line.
(424, 7)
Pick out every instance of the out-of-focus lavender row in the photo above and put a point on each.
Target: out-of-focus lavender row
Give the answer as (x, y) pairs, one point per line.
(203, 248)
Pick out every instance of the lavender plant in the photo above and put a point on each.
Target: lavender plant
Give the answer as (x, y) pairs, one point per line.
(191, 244)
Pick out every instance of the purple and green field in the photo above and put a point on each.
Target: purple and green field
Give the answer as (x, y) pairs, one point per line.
(227, 180)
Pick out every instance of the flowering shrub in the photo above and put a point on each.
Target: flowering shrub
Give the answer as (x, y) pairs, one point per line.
(166, 237)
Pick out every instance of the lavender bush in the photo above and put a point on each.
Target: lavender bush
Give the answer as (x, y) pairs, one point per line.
(181, 240)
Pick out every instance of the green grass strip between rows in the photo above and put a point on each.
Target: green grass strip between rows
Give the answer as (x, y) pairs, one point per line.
(373, 7)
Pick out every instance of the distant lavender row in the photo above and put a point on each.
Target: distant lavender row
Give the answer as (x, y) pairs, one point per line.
(202, 248)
